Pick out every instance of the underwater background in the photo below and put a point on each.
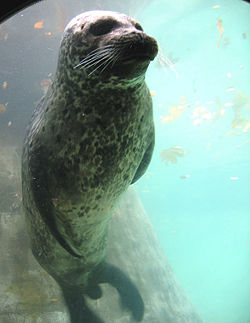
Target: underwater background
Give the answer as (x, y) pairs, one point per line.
(198, 196)
(196, 190)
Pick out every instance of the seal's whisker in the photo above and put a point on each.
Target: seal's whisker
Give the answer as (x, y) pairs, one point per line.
(99, 50)
(116, 57)
(97, 68)
(165, 61)
(90, 59)
(94, 53)
(95, 61)
(112, 59)
(103, 63)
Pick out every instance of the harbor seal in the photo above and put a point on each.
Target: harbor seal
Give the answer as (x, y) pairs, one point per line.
(90, 137)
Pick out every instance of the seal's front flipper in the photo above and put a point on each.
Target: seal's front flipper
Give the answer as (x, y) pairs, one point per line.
(128, 292)
(40, 187)
(145, 162)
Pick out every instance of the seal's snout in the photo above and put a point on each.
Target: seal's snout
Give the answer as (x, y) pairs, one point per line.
(139, 45)
(151, 47)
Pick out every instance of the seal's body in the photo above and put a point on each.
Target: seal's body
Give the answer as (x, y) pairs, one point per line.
(90, 137)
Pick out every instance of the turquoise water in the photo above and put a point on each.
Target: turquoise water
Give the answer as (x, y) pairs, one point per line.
(200, 205)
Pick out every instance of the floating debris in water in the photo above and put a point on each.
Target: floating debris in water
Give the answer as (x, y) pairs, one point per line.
(240, 99)
(200, 114)
(234, 178)
(244, 35)
(2, 108)
(233, 133)
(241, 123)
(221, 30)
(152, 93)
(230, 89)
(221, 110)
(216, 6)
(38, 25)
(9, 124)
(171, 154)
(5, 84)
(197, 122)
(228, 104)
(184, 176)
(175, 110)
(48, 33)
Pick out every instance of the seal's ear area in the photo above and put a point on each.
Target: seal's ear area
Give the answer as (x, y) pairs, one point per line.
(130, 297)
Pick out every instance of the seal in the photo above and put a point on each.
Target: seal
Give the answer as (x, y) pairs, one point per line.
(90, 137)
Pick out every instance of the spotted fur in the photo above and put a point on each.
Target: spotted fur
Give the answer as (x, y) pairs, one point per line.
(90, 137)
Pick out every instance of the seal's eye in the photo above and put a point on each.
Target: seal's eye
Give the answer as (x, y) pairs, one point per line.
(138, 26)
(102, 27)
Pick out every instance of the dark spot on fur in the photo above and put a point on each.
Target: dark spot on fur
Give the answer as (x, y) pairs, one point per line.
(52, 127)
(125, 177)
(98, 121)
(58, 138)
(88, 110)
(76, 159)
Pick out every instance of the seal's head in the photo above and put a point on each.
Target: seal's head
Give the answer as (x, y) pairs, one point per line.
(106, 44)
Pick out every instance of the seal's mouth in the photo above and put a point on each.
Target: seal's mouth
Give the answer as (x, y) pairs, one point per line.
(124, 58)
(131, 59)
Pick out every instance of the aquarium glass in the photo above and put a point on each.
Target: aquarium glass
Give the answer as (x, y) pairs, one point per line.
(196, 190)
